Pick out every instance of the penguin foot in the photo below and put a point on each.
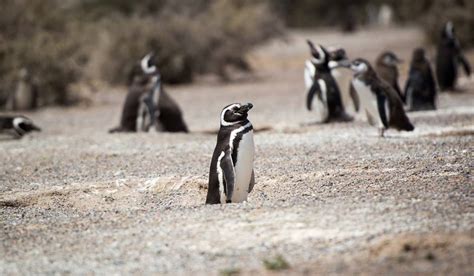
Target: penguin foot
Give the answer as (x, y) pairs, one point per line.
(381, 132)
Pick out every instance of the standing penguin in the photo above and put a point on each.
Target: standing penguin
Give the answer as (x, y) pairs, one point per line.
(231, 176)
(383, 106)
(17, 126)
(386, 68)
(147, 104)
(448, 57)
(323, 95)
(420, 88)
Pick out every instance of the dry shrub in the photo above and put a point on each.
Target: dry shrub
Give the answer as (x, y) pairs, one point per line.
(204, 37)
(38, 36)
(461, 13)
(63, 42)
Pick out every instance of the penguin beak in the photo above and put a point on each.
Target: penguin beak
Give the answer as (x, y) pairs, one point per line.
(342, 63)
(245, 108)
(35, 128)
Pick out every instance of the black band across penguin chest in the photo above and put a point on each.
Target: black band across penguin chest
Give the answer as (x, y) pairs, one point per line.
(239, 133)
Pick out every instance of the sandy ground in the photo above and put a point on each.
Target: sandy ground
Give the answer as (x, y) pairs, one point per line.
(329, 199)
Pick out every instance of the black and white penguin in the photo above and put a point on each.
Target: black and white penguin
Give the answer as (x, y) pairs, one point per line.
(448, 57)
(386, 67)
(147, 104)
(324, 97)
(381, 103)
(17, 126)
(231, 176)
(420, 88)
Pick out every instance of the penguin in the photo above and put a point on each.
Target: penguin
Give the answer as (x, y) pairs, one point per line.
(420, 88)
(231, 174)
(25, 96)
(448, 57)
(386, 68)
(17, 126)
(323, 95)
(378, 99)
(147, 104)
(343, 77)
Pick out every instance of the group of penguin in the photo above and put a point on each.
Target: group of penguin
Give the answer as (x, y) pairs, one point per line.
(375, 91)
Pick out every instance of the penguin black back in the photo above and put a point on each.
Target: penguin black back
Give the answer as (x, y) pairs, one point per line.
(386, 68)
(420, 88)
(449, 56)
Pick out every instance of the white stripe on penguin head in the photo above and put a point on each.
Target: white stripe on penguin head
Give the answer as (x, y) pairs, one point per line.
(144, 64)
(223, 121)
(16, 124)
(321, 54)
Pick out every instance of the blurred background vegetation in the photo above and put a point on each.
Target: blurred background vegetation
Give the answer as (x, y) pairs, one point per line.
(64, 42)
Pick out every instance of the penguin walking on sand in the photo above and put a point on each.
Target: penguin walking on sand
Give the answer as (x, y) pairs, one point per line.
(420, 88)
(147, 104)
(448, 58)
(17, 126)
(381, 103)
(231, 176)
(324, 97)
(386, 67)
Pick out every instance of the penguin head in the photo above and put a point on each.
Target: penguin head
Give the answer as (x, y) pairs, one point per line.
(337, 58)
(418, 55)
(448, 30)
(389, 59)
(319, 54)
(360, 66)
(235, 113)
(24, 125)
(146, 72)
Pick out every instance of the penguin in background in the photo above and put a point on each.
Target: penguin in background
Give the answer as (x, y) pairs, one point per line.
(386, 67)
(420, 88)
(231, 174)
(448, 58)
(343, 78)
(378, 99)
(147, 104)
(17, 126)
(25, 95)
(324, 97)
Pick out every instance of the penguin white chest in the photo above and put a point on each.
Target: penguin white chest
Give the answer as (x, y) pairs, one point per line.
(368, 102)
(243, 167)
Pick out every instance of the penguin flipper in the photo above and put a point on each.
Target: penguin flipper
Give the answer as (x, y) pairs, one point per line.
(465, 64)
(314, 90)
(252, 181)
(354, 97)
(382, 109)
(227, 166)
(309, 71)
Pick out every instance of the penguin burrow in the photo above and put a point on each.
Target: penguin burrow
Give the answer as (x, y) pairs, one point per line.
(231, 175)
(147, 105)
(323, 97)
(420, 88)
(378, 99)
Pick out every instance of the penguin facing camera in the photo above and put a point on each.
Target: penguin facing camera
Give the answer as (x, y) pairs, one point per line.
(420, 88)
(323, 97)
(231, 175)
(17, 126)
(448, 57)
(386, 67)
(378, 99)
